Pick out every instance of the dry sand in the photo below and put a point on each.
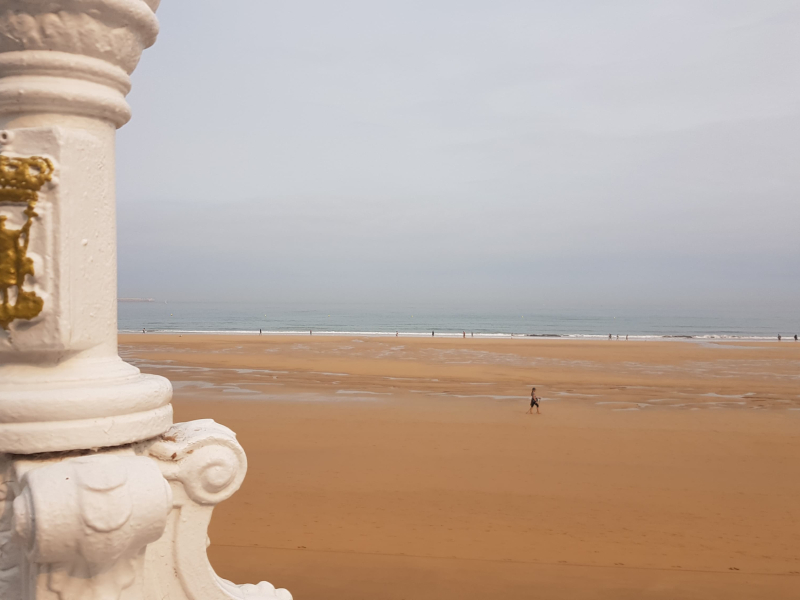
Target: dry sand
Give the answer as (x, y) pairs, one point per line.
(406, 468)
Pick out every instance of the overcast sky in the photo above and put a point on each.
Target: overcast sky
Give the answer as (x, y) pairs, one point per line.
(462, 151)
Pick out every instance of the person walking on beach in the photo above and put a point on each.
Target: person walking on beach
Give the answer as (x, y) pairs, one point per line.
(432, 334)
(465, 334)
(534, 402)
(795, 337)
(779, 337)
(259, 331)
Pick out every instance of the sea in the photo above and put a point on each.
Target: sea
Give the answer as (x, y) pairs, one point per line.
(425, 320)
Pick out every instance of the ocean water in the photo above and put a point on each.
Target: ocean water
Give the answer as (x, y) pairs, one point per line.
(377, 319)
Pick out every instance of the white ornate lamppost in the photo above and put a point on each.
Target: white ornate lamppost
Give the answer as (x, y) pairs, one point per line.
(101, 496)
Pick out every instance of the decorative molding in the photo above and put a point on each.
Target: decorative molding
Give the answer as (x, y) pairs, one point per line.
(205, 465)
(116, 31)
(129, 522)
(57, 82)
(84, 522)
(72, 56)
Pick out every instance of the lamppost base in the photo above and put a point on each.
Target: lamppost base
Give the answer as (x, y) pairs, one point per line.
(128, 523)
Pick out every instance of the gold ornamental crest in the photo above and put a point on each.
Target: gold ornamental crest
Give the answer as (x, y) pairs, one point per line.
(20, 182)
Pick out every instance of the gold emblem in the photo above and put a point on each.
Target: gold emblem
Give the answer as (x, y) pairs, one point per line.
(20, 182)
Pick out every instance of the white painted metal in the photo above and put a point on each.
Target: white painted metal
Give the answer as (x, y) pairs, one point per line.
(101, 497)
(64, 74)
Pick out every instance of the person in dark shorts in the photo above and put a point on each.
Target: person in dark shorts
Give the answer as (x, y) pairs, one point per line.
(534, 402)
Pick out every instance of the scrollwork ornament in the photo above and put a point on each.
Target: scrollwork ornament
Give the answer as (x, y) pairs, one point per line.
(206, 459)
(206, 465)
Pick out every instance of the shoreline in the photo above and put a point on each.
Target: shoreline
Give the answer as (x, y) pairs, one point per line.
(459, 335)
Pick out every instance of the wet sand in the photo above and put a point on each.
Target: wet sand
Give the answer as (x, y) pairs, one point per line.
(407, 468)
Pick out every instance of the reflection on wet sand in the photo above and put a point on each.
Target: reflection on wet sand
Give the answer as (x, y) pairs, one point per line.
(670, 375)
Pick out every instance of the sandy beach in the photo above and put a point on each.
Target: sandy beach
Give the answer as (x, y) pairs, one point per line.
(398, 468)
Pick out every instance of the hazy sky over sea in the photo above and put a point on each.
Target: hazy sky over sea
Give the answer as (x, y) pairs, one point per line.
(462, 151)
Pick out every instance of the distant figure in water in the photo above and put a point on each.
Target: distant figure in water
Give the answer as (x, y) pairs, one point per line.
(143, 331)
(609, 336)
(617, 336)
(534, 402)
(309, 332)
(432, 334)
(396, 333)
(472, 334)
(795, 337)
(259, 332)
(465, 334)
(626, 338)
(779, 337)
